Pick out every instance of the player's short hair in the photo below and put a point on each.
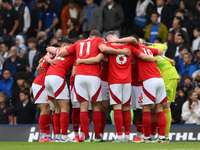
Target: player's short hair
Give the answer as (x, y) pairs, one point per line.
(95, 33)
(25, 92)
(135, 36)
(110, 33)
(68, 41)
(32, 40)
(4, 95)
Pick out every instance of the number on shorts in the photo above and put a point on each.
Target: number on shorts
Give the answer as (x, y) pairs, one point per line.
(88, 48)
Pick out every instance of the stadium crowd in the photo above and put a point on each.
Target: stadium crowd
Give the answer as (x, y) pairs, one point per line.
(27, 28)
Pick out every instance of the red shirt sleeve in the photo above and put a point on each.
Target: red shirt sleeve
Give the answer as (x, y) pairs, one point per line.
(100, 41)
(72, 49)
(154, 51)
(135, 51)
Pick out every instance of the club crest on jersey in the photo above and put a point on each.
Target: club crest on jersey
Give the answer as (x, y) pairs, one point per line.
(121, 59)
(105, 59)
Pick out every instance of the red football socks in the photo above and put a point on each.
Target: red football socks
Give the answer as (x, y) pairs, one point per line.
(76, 119)
(48, 119)
(56, 122)
(153, 128)
(146, 123)
(161, 123)
(103, 122)
(64, 122)
(85, 123)
(138, 126)
(127, 121)
(96, 117)
(118, 121)
(43, 123)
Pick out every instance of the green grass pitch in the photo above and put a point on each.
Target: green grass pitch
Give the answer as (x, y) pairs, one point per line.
(99, 146)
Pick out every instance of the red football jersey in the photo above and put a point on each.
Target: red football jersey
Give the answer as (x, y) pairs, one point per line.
(135, 75)
(104, 69)
(147, 70)
(63, 66)
(86, 49)
(41, 77)
(120, 65)
(71, 77)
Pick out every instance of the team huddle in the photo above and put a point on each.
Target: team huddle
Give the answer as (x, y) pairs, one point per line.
(129, 77)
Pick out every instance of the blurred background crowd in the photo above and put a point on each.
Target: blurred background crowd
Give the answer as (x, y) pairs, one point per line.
(27, 27)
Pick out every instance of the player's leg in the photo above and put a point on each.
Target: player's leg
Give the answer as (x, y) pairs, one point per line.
(170, 86)
(154, 124)
(126, 114)
(149, 93)
(56, 120)
(116, 101)
(136, 102)
(104, 105)
(96, 118)
(40, 97)
(160, 100)
(75, 114)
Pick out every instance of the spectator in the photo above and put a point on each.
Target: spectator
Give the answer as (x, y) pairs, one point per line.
(5, 50)
(170, 39)
(156, 29)
(6, 112)
(10, 18)
(73, 32)
(42, 42)
(33, 30)
(24, 110)
(179, 59)
(20, 79)
(171, 4)
(113, 18)
(186, 24)
(72, 10)
(196, 59)
(189, 68)
(165, 12)
(59, 36)
(19, 42)
(197, 88)
(191, 109)
(24, 17)
(196, 16)
(196, 41)
(176, 27)
(32, 56)
(183, 5)
(91, 17)
(176, 107)
(13, 62)
(30, 4)
(197, 79)
(47, 20)
(173, 51)
(142, 16)
(6, 84)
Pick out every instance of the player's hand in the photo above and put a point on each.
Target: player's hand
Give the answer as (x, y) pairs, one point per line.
(126, 51)
(155, 59)
(51, 49)
(172, 62)
(78, 61)
(53, 62)
(113, 40)
(40, 70)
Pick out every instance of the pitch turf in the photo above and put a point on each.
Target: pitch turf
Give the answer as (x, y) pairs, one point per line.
(99, 146)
